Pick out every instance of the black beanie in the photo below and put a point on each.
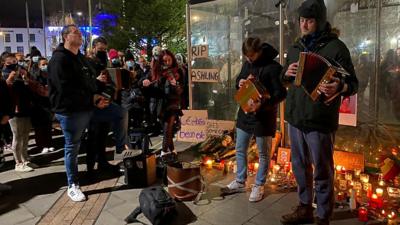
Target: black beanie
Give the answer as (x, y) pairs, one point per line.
(314, 9)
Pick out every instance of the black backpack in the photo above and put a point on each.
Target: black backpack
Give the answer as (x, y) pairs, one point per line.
(156, 204)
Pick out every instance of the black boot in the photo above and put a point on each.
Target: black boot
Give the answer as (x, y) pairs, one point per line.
(320, 221)
(303, 214)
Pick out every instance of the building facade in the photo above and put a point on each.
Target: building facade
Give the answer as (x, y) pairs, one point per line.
(18, 40)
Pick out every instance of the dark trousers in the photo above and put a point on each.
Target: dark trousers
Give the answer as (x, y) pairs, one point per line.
(314, 149)
(96, 144)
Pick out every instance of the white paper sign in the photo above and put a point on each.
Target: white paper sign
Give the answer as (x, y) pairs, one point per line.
(193, 126)
(205, 75)
(199, 51)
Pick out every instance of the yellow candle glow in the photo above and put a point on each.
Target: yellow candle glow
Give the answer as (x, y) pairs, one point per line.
(381, 183)
(338, 168)
(374, 196)
(256, 165)
(379, 192)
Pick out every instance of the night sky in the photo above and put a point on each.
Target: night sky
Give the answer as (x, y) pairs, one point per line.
(12, 12)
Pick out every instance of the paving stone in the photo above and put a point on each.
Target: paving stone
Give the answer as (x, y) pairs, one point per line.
(30, 221)
(16, 216)
(107, 218)
(39, 205)
(200, 222)
(122, 211)
(113, 201)
(218, 217)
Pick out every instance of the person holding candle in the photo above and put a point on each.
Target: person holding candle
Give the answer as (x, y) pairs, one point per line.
(312, 124)
(261, 66)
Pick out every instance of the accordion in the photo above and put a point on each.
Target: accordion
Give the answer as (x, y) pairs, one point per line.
(314, 70)
(250, 95)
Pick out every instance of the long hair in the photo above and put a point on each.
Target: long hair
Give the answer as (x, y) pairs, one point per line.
(157, 69)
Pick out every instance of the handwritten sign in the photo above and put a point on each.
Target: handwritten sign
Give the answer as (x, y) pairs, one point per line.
(349, 160)
(193, 126)
(217, 127)
(199, 51)
(283, 156)
(205, 75)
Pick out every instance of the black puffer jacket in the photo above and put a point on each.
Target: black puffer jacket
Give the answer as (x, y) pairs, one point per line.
(5, 99)
(72, 82)
(301, 111)
(267, 71)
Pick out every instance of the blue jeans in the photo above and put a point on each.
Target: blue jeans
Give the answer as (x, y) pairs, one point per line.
(263, 146)
(313, 148)
(74, 124)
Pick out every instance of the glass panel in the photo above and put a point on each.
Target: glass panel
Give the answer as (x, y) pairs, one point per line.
(217, 25)
(19, 37)
(7, 38)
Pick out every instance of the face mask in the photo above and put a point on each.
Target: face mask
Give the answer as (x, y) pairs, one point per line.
(102, 56)
(115, 61)
(43, 68)
(130, 64)
(22, 64)
(35, 59)
(12, 66)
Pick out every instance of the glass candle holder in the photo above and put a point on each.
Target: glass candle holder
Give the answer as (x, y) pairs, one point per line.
(364, 178)
(363, 214)
(379, 192)
(348, 176)
(357, 173)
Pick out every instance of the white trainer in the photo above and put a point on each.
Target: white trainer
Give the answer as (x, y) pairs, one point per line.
(45, 150)
(257, 193)
(75, 193)
(235, 186)
(51, 149)
(22, 167)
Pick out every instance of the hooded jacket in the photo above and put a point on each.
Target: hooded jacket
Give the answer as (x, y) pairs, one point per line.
(267, 71)
(301, 111)
(72, 82)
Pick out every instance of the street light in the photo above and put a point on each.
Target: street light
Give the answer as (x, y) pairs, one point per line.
(79, 13)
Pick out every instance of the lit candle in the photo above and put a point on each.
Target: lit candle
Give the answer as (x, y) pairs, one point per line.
(381, 183)
(363, 214)
(340, 196)
(357, 172)
(256, 165)
(276, 168)
(364, 178)
(338, 168)
(348, 176)
(209, 163)
(379, 192)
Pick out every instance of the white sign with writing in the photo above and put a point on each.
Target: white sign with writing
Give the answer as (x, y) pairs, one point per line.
(205, 75)
(217, 127)
(199, 51)
(193, 126)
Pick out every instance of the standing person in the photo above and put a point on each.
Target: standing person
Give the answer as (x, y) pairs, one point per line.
(74, 99)
(312, 125)
(260, 65)
(18, 81)
(41, 117)
(5, 113)
(166, 73)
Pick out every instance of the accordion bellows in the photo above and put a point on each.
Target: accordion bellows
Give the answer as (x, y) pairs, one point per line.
(314, 70)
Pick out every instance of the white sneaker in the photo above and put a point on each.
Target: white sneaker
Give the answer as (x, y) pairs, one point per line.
(22, 167)
(51, 149)
(45, 150)
(31, 164)
(235, 186)
(257, 193)
(75, 193)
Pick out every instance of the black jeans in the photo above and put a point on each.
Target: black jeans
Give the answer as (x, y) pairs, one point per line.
(96, 144)
(169, 122)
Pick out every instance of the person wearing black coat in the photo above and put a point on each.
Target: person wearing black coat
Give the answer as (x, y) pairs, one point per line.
(260, 65)
(5, 113)
(312, 124)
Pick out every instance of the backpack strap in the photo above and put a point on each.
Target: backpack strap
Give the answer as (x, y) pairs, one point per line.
(132, 217)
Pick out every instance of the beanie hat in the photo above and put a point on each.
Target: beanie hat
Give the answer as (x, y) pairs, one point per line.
(314, 9)
(113, 54)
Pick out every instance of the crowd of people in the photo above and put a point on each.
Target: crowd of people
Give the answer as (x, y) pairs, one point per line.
(88, 99)
(82, 93)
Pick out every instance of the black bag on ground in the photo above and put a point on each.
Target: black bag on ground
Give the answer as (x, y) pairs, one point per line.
(156, 204)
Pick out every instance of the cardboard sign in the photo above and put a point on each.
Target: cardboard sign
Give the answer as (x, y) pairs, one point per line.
(349, 160)
(217, 127)
(205, 75)
(193, 126)
(283, 156)
(199, 51)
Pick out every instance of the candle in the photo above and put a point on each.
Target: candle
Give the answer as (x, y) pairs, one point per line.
(363, 214)
(357, 185)
(379, 192)
(340, 196)
(276, 168)
(381, 183)
(256, 165)
(209, 163)
(364, 178)
(376, 202)
(357, 172)
(348, 176)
